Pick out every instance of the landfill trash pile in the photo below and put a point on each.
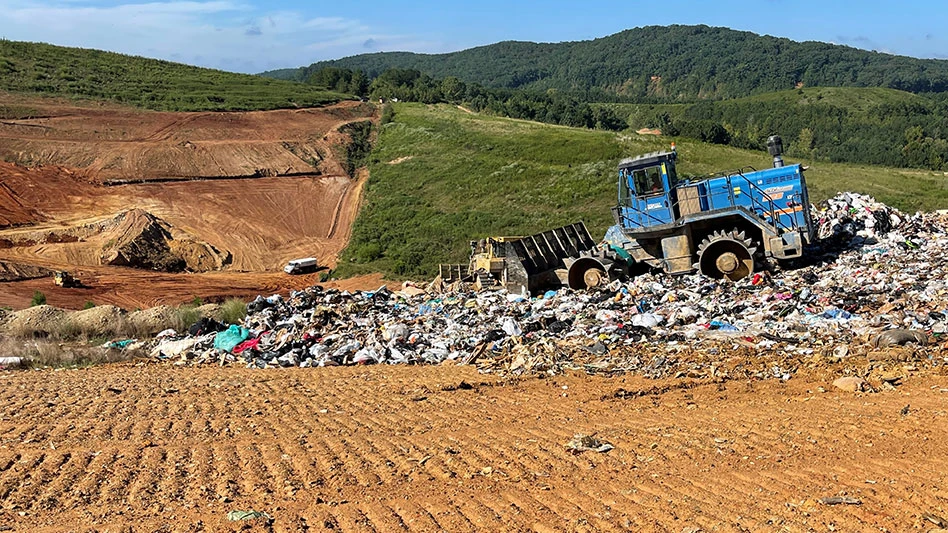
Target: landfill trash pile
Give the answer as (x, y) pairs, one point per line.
(876, 269)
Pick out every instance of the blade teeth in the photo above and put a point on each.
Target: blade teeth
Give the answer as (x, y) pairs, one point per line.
(704, 245)
(752, 250)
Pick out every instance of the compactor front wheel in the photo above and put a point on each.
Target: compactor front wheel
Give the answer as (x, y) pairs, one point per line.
(726, 255)
(587, 273)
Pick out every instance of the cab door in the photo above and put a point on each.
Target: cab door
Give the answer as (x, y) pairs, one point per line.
(650, 195)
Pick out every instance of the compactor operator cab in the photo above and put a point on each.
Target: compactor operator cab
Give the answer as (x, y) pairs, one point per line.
(647, 185)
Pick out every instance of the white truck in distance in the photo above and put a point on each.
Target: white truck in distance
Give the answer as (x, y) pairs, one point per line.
(301, 266)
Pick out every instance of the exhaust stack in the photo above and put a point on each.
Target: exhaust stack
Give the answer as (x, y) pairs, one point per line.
(775, 148)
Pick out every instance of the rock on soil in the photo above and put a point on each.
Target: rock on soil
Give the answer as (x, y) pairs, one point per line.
(851, 384)
(899, 337)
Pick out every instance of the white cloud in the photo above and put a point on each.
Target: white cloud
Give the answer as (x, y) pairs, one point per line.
(231, 35)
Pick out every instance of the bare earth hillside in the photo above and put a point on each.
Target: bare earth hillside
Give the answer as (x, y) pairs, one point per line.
(149, 207)
(113, 143)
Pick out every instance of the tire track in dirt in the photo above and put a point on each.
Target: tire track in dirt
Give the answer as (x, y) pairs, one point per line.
(163, 133)
(350, 448)
(346, 206)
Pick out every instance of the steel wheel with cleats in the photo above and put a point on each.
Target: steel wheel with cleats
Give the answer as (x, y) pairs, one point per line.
(727, 255)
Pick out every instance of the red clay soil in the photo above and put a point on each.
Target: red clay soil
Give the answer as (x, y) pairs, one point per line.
(283, 195)
(111, 142)
(163, 448)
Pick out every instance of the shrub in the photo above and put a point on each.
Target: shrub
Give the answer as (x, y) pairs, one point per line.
(88, 305)
(233, 310)
(185, 316)
(38, 299)
(369, 252)
(388, 114)
(359, 146)
(159, 85)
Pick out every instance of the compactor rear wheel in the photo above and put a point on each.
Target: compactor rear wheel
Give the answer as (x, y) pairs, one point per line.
(726, 255)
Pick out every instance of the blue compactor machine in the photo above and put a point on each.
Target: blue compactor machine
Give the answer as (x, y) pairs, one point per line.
(723, 227)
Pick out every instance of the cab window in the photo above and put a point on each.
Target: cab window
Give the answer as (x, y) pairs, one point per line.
(647, 181)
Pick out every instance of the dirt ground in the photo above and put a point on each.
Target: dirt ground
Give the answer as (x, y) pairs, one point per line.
(259, 188)
(110, 142)
(160, 448)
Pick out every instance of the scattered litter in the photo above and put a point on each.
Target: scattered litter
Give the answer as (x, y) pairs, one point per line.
(935, 519)
(840, 500)
(236, 516)
(121, 344)
(588, 443)
(230, 338)
(10, 362)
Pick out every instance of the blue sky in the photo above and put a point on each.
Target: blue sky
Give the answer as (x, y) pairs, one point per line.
(254, 35)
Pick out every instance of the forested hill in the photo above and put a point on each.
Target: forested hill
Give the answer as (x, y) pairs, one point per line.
(663, 63)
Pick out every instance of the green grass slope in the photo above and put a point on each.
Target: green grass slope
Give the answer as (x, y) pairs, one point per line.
(853, 99)
(665, 62)
(440, 177)
(152, 84)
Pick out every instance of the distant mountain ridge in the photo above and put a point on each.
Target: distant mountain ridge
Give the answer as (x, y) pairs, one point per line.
(672, 63)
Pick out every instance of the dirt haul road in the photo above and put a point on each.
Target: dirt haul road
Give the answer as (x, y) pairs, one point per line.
(225, 198)
(161, 448)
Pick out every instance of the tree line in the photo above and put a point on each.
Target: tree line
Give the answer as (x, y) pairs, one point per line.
(899, 131)
(895, 129)
(411, 85)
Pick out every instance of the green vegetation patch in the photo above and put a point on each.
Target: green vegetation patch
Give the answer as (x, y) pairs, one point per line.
(440, 177)
(359, 146)
(838, 124)
(148, 83)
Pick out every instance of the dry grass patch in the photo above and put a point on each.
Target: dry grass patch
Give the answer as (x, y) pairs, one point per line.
(39, 353)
